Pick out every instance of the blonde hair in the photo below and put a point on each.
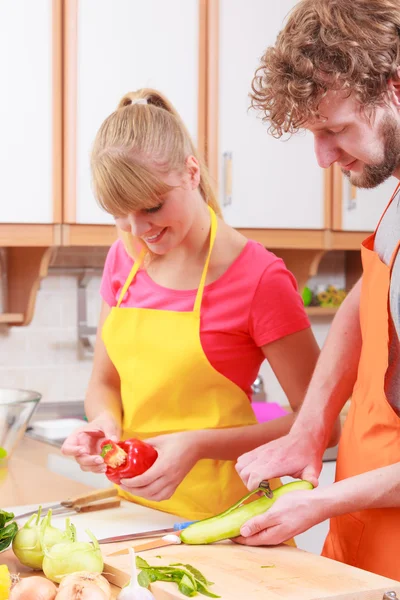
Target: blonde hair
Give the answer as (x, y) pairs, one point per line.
(144, 135)
(350, 45)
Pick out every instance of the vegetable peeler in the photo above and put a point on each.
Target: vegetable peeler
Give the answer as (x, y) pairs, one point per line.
(266, 488)
(85, 503)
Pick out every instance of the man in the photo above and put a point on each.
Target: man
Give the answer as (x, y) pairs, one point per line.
(335, 71)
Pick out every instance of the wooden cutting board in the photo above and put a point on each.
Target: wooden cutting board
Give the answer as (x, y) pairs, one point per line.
(238, 573)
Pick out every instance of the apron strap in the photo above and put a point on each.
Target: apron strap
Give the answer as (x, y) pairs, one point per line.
(213, 235)
(136, 265)
(389, 203)
(394, 255)
(199, 296)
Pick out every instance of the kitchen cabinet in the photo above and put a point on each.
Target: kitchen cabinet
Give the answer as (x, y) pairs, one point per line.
(30, 115)
(357, 209)
(113, 48)
(263, 182)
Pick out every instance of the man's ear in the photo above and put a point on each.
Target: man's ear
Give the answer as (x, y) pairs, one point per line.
(193, 170)
(394, 89)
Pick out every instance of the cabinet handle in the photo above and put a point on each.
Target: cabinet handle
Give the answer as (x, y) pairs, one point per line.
(352, 198)
(227, 179)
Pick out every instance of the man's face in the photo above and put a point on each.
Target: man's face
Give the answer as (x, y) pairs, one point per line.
(367, 148)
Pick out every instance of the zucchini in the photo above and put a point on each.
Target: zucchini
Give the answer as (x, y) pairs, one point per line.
(227, 525)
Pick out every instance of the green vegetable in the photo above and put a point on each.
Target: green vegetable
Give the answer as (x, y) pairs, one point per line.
(71, 556)
(5, 517)
(3, 452)
(27, 544)
(7, 530)
(307, 296)
(188, 579)
(227, 524)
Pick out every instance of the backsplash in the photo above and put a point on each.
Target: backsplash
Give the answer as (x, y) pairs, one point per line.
(47, 357)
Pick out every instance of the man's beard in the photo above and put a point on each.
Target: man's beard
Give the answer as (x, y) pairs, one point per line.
(374, 175)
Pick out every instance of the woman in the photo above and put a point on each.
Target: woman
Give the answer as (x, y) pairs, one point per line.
(186, 323)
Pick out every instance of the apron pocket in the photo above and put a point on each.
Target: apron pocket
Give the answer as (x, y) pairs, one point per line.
(346, 534)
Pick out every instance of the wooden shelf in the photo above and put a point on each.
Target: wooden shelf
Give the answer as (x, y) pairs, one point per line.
(14, 235)
(11, 318)
(24, 267)
(321, 311)
(88, 235)
(287, 238)
(306, 239)
(56, 234)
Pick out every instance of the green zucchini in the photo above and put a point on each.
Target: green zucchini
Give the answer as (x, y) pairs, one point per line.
(227, 525)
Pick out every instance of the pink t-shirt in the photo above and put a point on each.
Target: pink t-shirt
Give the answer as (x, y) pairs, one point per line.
(254, 303)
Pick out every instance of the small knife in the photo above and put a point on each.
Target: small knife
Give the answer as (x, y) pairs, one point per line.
(145, 534)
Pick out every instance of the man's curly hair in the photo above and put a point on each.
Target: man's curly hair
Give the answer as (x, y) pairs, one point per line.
(350, 45)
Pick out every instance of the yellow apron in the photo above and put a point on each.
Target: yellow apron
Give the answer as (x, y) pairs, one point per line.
(168, 385)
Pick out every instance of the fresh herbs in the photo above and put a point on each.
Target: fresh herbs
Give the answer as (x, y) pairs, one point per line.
(188, 579)
(8, 529)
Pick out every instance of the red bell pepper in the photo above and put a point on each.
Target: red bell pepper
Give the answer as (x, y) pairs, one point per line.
(127, 459)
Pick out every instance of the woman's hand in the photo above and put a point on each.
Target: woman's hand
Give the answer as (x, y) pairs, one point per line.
(84, 443)
(177, 455)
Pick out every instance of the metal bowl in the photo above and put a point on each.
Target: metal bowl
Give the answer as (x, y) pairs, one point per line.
(16, 410)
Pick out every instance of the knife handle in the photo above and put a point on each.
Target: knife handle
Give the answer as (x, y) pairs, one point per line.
(91, 497)
(179, 526)
(98, 506)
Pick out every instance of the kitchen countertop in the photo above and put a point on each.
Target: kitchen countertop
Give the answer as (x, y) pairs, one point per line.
(28, 481)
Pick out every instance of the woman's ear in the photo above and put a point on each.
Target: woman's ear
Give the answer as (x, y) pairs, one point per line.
(193, 170)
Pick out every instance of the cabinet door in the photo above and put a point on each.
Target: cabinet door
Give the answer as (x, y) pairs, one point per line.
(117, 46)
(30, 111)
(263, 182)
(361, 209)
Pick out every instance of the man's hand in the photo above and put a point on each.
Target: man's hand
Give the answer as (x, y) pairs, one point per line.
(289, 516)
(297, 456)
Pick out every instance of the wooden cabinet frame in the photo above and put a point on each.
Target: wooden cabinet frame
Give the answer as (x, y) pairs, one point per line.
(29, 245)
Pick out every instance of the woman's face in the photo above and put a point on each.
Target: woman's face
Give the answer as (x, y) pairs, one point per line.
(166, 226)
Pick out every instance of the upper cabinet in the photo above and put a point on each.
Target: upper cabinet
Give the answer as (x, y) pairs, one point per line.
(356, 209)
(263, 182)
(113, 47)
(65, 64)
(30, 112)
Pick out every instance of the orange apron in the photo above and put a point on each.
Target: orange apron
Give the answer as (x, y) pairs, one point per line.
(168, 385)
(371, 435)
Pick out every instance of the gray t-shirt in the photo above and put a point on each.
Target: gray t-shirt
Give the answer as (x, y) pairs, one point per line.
(386, 239)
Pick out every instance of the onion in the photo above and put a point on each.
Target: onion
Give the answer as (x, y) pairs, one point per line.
(83, 578)
(34, 588)
(84, 591)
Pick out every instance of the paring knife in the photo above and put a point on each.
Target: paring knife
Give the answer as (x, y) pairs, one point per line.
(83, 503)
(160, 543)
(145, 534)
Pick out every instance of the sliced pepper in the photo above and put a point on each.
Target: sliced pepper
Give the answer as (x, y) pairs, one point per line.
(127, 459)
